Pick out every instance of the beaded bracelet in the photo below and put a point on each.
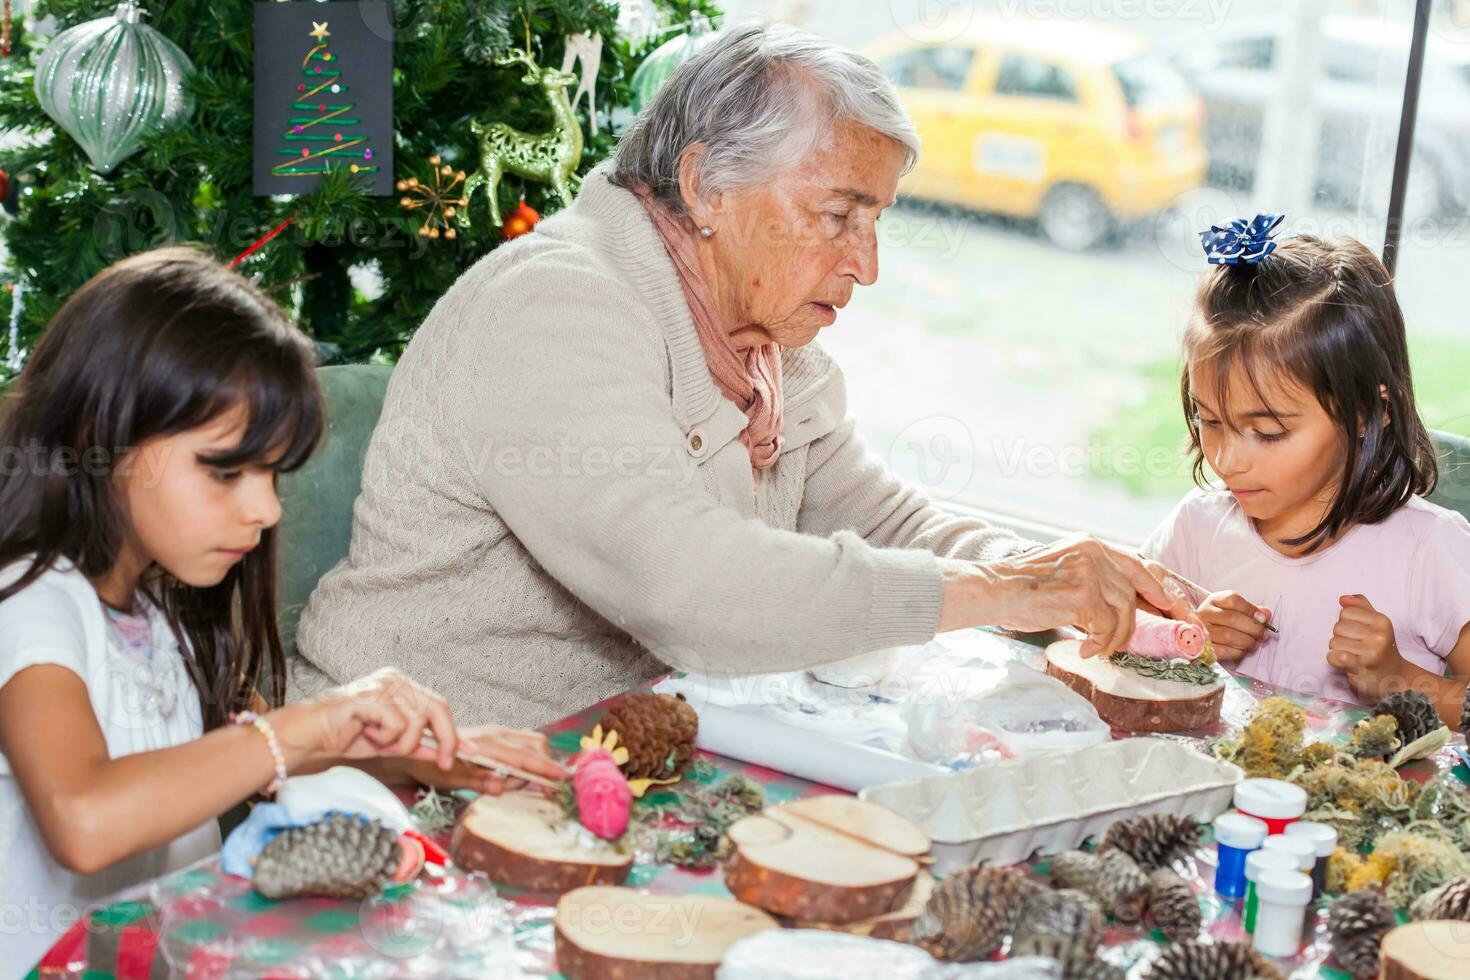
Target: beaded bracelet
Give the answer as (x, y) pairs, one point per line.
(264, 727)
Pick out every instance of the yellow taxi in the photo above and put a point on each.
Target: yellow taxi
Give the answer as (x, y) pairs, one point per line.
(1070, 123)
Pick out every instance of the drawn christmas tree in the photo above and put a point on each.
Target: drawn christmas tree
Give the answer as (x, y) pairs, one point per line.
(316, 141)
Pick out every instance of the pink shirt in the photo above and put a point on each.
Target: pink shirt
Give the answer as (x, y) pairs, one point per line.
(1413, 567)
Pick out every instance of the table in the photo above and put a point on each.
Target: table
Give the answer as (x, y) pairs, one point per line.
(221, 928)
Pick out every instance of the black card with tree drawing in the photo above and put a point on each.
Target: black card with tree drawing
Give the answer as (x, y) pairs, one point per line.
(323, 95)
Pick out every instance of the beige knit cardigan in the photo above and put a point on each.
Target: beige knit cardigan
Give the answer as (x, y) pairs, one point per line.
(556, 507)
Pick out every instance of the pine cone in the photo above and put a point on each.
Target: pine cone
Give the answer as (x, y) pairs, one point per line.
(971, 911)
(1449, 901)
(1172, 904)
(1356, 924)
(1122, 887)
(1093, 969)
(1065, 924)
(1211, 961)
(342, 856)
(658, 731)
(1152, 839)
(1076, 869)
(1414, 711)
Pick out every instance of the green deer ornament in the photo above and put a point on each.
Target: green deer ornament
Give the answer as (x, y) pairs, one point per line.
(550, 158)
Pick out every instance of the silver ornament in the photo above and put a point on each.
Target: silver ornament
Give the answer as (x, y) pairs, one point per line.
(111, 83)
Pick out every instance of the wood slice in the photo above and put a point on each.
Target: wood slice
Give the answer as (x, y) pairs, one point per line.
(897, 926)
(1436, 950)
(608, 933)
(784, 863)
(1130, 702)
(875, 824)
(527, 841)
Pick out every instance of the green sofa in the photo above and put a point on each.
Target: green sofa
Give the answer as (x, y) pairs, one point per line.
(1453, 491)
(316, 501)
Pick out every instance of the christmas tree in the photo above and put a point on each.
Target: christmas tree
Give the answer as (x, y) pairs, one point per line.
(350, 267)
(315, 143)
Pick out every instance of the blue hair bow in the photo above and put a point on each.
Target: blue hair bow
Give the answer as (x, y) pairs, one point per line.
(1241, 242)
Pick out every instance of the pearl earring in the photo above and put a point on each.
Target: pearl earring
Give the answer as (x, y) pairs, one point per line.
(706, 232)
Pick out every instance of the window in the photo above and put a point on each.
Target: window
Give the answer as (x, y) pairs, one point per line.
(1149, 82)
(1344, 61)
(1435, 246)
(1031, 78)
(1019, 353)
(1246, 54)
(944, 69)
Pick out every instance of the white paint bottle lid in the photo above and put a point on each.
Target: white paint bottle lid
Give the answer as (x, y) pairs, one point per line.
(1320, 835)
(1258, 863)
(1284, 888)
(1273, 799)
(1302, 851)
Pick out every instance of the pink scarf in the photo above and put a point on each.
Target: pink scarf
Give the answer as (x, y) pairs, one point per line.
(751, 378)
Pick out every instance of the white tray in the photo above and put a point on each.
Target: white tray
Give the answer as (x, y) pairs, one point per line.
(1047, 803)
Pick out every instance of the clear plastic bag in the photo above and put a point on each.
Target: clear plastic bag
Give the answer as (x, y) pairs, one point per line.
(214, 925)
(1026, 712)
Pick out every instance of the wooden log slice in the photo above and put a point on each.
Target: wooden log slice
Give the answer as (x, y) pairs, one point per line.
(609, 933)
(1130, 702)
(526, 841)
(1434, 950)
(875, 824)
(897, 925)
(790, 866)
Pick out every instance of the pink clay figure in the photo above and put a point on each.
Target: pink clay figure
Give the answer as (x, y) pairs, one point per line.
(604, 798)
(1165, 639)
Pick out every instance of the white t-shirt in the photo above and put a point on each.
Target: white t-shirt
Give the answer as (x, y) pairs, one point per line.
(141, 703)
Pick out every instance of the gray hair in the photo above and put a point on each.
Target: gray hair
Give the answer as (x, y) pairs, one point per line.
(758, 99)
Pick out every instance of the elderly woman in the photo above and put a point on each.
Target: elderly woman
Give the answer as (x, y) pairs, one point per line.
(613, 447)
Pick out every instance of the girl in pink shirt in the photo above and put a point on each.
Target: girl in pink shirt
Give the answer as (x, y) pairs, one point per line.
(1298, 396)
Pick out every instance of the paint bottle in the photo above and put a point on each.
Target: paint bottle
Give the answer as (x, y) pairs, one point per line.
(1324, 839)
(1236, 836)
(1283, 897)
(1300, 850)
(1258, 863)
(1274, 801)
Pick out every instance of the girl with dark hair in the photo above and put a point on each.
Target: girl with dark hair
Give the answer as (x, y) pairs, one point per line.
(138, 459)
(1298, 396)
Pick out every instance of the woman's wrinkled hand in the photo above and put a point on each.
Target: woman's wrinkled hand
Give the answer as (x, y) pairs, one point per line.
(1076, 581)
